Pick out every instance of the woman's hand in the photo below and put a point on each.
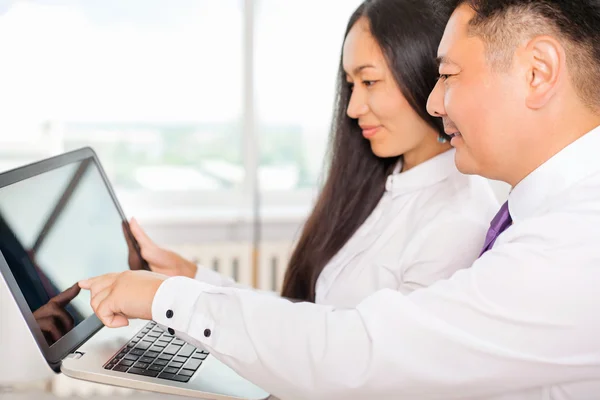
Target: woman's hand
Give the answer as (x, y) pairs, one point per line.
(160, 260)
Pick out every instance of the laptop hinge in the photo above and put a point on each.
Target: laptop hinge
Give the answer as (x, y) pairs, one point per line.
(75, 355)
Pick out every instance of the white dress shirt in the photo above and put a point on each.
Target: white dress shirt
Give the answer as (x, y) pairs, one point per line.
(430, 222)
(522, 323)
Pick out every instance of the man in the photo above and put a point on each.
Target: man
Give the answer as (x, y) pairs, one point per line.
(518, 92)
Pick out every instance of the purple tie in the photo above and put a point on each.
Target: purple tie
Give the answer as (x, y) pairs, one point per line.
(501, 221)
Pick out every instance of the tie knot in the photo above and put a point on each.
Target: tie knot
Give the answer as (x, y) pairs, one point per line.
(502, 220)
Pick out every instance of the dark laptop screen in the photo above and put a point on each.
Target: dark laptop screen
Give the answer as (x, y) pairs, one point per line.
(57, 228)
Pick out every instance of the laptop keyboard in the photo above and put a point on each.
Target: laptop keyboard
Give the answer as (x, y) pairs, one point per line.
(155, 353)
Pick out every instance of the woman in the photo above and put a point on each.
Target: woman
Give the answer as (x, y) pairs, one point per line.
(394, 214)
(392, 189)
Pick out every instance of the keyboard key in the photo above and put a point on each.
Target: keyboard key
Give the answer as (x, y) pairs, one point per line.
(127, 363)
(143, 345)
(152, 354)
(134, 341)
(120, 368)
(178, 342)
(154, 335)
(165, 356)
(140, 336)
(173, 377)
(176, 364)
(109, 366)
(200, 356)
(137, 352)
(181, 378)
(149, 339)
(131, 357)
(158, 346)
(121, 355)
(171, 370)
(172, 349)
(186, 351)
(167, 336)
(141, 365)
(161, 362)
(180, 359)
(145, 372)
(147, 360)
(186, 372)
(193, 364)
(155, 367)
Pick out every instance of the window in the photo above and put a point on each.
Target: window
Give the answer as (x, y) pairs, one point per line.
(157, 89)
(137, 80)
(298, 49)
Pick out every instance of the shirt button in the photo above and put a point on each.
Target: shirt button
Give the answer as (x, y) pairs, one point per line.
(171, 331)
(207, 333)
(169, 313)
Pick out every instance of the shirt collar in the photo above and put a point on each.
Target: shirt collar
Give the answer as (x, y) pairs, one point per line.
(425, 174)
(570, 165)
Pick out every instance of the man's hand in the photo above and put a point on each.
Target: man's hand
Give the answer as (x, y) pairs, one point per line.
(53, 319)
(118, 297)
(161, 260)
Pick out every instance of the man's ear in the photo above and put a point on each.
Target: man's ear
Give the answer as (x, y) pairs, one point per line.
(544, 61)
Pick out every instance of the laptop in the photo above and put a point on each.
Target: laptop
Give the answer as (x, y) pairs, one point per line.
(60, 222)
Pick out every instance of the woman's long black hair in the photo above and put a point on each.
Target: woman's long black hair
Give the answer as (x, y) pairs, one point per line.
(408, 32)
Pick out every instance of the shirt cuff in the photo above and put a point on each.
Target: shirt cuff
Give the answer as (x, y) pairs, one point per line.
(174, 303)
(211, 277)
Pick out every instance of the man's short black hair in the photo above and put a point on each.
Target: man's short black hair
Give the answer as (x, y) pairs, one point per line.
(504, 24)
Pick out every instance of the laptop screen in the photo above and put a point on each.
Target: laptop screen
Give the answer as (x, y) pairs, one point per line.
(57, 228)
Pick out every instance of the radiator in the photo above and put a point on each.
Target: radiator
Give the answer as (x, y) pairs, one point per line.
(235, 260)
